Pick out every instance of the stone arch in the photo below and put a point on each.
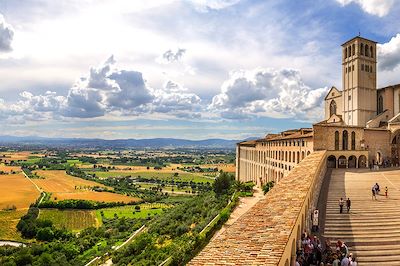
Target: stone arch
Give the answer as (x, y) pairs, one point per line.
(353, 48)
(366, 50)
(362, 161)
(371, 52)
(302, 155)
(395, 147)
(379, 157)
(332, 108)
(362, 49)
(308, 153)
(352, 162)
(342, 161)
(331, 161)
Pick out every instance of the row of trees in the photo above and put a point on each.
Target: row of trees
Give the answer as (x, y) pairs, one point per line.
(176, 233)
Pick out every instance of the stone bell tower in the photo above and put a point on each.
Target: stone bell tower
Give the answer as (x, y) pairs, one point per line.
(359, 81)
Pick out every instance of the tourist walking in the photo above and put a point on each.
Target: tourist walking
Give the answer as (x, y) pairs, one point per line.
(377, 189)
(348, 204)
(341, 203)
(373, 193)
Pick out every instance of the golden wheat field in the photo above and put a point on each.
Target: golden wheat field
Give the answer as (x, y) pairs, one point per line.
(17, 190)
(8, 169)
(63, 186)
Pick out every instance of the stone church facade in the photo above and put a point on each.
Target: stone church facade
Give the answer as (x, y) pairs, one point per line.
(361, 126)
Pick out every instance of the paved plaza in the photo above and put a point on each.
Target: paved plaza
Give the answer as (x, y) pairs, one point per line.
(372, 228)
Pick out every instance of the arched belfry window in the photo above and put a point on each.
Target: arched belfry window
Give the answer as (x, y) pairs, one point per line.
(362, 49)
(372, 52)
(380, 104)
(332, 108)
(353, 49)
(349, 53)
(337, 140)
(353, 140)
(345, 140)
(345, 52)
(366, 50)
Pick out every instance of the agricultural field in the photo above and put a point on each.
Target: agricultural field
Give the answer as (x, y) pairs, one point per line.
(95, 196)
(74, 220)
(8, 223)
(17, 190)
(59, 181)
(9, 169)
(63, 186)
(230, 167)
(18, 156)
(147, 209)
(155, 174)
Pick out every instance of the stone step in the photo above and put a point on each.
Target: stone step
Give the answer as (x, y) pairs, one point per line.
(362, 235)
(379, 259)
(363, 229)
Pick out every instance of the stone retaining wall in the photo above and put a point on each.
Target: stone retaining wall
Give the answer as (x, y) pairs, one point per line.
(267, 234)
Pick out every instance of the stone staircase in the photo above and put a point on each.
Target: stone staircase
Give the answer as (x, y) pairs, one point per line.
(372, 228)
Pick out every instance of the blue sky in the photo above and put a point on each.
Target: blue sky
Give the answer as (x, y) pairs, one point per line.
(188, 69)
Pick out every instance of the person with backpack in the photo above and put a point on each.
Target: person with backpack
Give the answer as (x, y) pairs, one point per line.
(348, 204)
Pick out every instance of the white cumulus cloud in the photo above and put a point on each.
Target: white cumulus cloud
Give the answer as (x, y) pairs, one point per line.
(268, 92)
(6, 35)
(374, 7)
(389, 54)
(205, 5)
(106, 89)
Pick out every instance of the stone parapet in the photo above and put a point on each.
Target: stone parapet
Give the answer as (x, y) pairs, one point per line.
(269, 232)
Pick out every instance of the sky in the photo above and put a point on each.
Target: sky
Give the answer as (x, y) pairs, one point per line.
(191, 69)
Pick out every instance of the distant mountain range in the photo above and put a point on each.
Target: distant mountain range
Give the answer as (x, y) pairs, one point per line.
(118, 143)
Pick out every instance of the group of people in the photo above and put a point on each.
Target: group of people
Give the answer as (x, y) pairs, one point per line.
(376, 189)
(313, 253)
(341, 204)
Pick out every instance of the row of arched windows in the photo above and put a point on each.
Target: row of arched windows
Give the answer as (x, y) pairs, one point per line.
(286, 143)
(345, 140)
(365, 50)
(263, 156)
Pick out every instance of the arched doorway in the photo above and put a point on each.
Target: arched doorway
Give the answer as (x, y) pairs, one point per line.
(352, 162)
(362, 161)
(378, 158)
(342, 162)
(396, 149)
(331, 161)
